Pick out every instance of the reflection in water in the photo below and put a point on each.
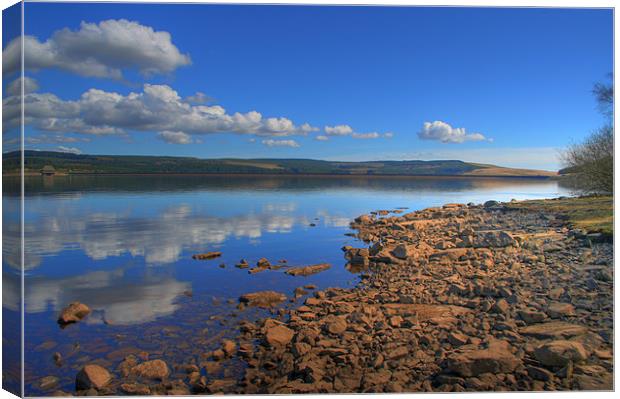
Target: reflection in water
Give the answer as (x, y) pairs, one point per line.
(112, 299)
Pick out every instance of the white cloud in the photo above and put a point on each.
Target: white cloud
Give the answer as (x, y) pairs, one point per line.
(72, 150)
(175, 137)
(158, 108)
(321, 138)
(346, 130)
(339, 130)
(441, 131)
(99, 50)
(199, 98)
(15, 87)
(281, 143)
(55, 138)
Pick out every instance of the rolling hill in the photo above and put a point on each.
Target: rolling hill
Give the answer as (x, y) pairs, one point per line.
(66, 163)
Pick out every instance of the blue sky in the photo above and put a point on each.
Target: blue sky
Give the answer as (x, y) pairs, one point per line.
(504, 86)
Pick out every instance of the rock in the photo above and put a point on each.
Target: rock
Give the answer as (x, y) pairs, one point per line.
(560, 353)
(531, 316)
(92, 376)
(493, 239)
(73, 313)
(229, 347)
(152, 369)
(243, 264)
(47, 383)
(557, 310)
(263, 299)
(401, 252)
(497, 358)
(553, 330)
(135, 389)
(263, 263)
(602, 382)
(279, 335)
(207, 255)
(501, 306)
(539, 373)
(398, 353)
(308, 270)
(457, 339)
(336, 325)
(490, 204)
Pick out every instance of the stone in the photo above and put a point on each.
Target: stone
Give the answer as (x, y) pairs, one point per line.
(336, 325)
(229, 347)
(152, 369)
(263, 263)
(558, 310)
(73, 313)
(279, 335)
(308, 270)
(47, 383)
(92, 376)
(401, 252)
(457, 339)
(497, 358)
(135, 389)
(553, 330)
(560, 353)
(501, 306)
(263, 299)
(531, 316)
(493, 239)
(207, 256)
(490, 204)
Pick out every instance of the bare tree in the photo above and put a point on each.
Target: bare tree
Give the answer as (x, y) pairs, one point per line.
(591, 163)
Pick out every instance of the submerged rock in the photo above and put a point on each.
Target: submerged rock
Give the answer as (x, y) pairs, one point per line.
(308, 270)
(207, 255)
(262, 299)
(152, 369)
(92, 376)
(73, 313)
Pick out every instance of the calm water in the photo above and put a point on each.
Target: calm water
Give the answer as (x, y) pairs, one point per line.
(123, 245)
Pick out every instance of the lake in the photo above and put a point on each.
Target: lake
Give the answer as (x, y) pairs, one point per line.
(123, 245)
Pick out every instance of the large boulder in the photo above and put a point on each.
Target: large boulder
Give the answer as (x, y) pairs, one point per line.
(73, 313)
(92, 376)
(308, 270)
(278, 335)
(152, 369)
(560, 353)
(497, 358)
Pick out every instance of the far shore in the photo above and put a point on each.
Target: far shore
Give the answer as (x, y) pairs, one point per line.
(64, 174)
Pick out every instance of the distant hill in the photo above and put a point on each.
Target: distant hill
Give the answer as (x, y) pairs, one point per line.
(66, 163)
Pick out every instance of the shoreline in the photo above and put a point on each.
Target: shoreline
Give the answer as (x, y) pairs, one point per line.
(271, 175)
(500, 296)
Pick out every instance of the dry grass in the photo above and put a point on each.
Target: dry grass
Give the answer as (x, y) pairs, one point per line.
(593, 214)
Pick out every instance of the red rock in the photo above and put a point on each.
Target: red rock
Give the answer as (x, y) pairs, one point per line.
(92, 376)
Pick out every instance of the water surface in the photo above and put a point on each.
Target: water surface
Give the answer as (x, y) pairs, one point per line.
(123, 245)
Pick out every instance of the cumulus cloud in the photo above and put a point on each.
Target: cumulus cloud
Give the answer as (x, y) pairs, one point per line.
(321, 138)
(175, 137)
(280, 143)
(199, 98)
(158, 108)
(443, 132)
(346, 130)
(15, 87)
(339, 130)
(55, 138)
(71, 150)
(101, 50)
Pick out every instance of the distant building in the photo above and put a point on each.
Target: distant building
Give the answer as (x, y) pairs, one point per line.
(48, 170)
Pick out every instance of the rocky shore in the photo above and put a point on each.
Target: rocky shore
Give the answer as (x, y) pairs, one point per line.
(455, 298)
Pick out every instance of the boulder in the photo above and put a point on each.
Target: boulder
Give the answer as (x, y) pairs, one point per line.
(92, 376)
(497, 358)
(493, 239)
(308, 270)
(207, 255)
(279, 335)
(560, 353)
(153, 369)
(263, 299)
(73, 313)
(229, 347)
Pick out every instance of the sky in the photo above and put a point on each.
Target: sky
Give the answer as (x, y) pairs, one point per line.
(493, 85)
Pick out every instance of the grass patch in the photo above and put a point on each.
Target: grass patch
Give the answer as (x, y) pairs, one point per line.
(593, 214)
